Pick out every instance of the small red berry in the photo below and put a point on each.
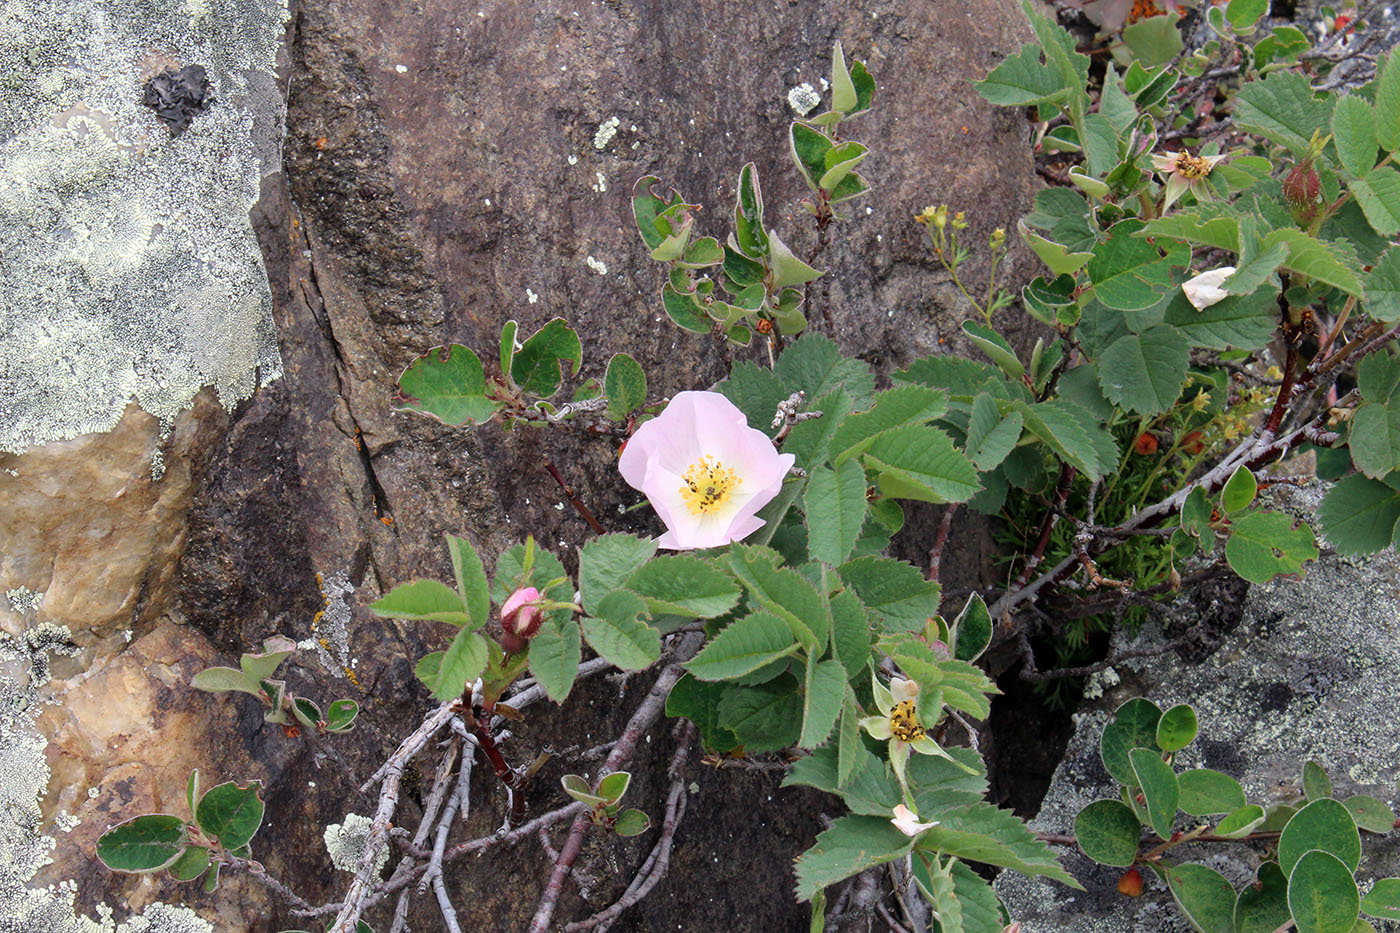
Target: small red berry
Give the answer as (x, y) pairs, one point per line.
(1146, 444)
(1130, 883)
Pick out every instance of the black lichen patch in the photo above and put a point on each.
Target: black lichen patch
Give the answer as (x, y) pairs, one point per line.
(179, 96)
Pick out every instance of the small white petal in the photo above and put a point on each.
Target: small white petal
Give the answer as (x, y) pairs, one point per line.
(1205, 289)
(907, 821)
(902, 689)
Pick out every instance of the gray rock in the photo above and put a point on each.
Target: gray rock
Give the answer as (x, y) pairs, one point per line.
(1309, 674)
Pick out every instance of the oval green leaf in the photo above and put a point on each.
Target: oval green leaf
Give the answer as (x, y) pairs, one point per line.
(231, 813)
(146, 843)
(1322, 894)
(1177, 728)
(1383, 900)
(1205, 792)
(1108, 831)
(1134, 725)
(1204, 895)
(1159, 788)
(1323, 824)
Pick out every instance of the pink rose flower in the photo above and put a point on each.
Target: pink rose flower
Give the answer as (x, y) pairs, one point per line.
(705, 471)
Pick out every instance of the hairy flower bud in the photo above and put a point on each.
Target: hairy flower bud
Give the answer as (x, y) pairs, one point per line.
(1301, 188)
(520, 619)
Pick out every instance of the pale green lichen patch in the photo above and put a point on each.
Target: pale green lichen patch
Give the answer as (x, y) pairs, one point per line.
(130, 269)
(345, 842)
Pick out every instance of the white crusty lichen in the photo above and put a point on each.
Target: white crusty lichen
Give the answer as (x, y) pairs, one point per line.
(606, 131)
(803, 99)
(346, 843)
(597, 265)
(330, 633)
(130, 269)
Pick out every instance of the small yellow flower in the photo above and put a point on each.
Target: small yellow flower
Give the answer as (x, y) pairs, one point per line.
(1184, 172)
(1200, 402)
(1273, 372)
(959, 221)
(925, 216)
(898, 723)
(998, 238)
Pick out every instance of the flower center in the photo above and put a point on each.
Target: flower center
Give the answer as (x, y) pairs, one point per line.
(708, 484)
(904, 723)
(1189, 166)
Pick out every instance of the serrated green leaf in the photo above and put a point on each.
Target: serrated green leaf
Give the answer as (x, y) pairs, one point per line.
(1378, 193)
(1199, 227)
(756, 392)
(783, 592)
(555, 652)
(422, 599)
(850, 846)
(1354, 134)
(1387, 108)
(606, 561)
(1108, 832)
(684, 586)
(462, 662)
(896, 594)
(765, 717)
(815, 365)
(1023, 80)
(1204, 895)
(447, 383)
(1330, 263)
(1243, 322)
(1322, 894)
(619, 636)
(982, 833)
(848, 745)
(231, 813)
(745, 645)
(1283, 108)
(698, 701)
(1128, 272)
(474, 591)
(536, 366)
(834, 502)
(1383, 285)
(625, 385)
(1074, 434)
(1263, 545)
(822, 696)
(1144, 372)
(1251, 275)
(145, 843)
(990, 437)
(893, 408)
(920, 462)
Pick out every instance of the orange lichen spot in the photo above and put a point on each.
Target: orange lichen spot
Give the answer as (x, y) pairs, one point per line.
(324, 643)
(386, 520)
(316, 619)
(321, 142)
(320, 580)
(290, 731)
(764, 326)
(1144, 9)
(964, 130)
(350, 674)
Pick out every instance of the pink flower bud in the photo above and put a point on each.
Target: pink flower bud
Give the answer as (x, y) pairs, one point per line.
(518, 616)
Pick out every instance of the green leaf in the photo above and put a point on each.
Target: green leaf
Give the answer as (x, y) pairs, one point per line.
(1263, 907)
(1177, 728)
(192, 863)
(787, 268)
(1331, 263)
(1241, 823)
(1074, 434)
(614, 786)
(145, 843)
(625, 385)
(619, 637)
(1201, 227)
(225, 679)
(746, 645)
(423, 599)
(536, 366)
(555, 652)
(460, 664)
(815, 365)
(1154, 41)
(1263, 545)
(1322, 894)
(756, 392)
(1316, 784)
(840, 161)
(1243, 14)
(262, 666)
(427, 668)
(920, 462)
(982, 833)
(848, 744)
(475, 592)
(1370, 814)
(1354, 134)
(1324, 824)
(1379, 196)
(850, 846)
(192, 790)
(1388, 101)
(834, 502)
(1283, 109)
(1245, 322)
(850, 632)
(649, 201)
(748, 214)
(1383, 285)
(765, 717)
(340, 715)
(785, 593)
(972, 630)
(1374, 439)
(1253, 273)
(843, 90)
(1108, 831)
(1359, 515)
(809, 149)
(822, 696)
(1159, 788)
(1204, 895)
(632, 823)
(1205, 792)
(1383, 900)
(306, 712)
(508, 344)
(990, 437)
(608, 560)
(1058, 259)
(684, 586)
(996, 348)
(894, 408)
(1239, 490)
(1129, 273)
(231, 813)
(699, 702)
(447, 383)
(1023, 80)
(896, 594)
(1144, 372)
(1134, 725)
(683, 311)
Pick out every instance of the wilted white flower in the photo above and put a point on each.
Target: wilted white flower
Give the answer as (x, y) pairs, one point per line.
(1205, 289)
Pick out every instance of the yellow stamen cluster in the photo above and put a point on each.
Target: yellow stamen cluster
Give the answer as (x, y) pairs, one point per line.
(708, 484)
(904, 722)
(1189, 166)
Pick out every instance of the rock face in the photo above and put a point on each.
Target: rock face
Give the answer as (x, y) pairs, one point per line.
(445, 169)
(1307, 675)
